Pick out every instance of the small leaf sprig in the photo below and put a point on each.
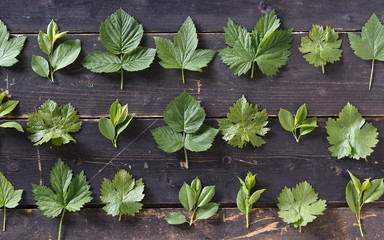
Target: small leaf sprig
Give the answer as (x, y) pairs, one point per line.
(300, 205)
(9, 197)
(357, 194)
(120, 34)
(182, 53)
(117, 123)
(197, 201)
(244, 123)
(293, 123)
(321, 46)
(64, 55)
(10, 48)
(184, 117)
(122, 195)
(245, 199)
(6, 108)
(69, 193)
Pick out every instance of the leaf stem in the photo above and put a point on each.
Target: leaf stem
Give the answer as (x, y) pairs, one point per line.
(5, 219)
(370, 78)
(182, 75)
(186, 158)
(247, 218)
(114, 142)
(120, 217)
(322, 68)
(253, 69)
(121, 74)
(50, 56)
(300, 228)
(358, 216)
(191, 221)
(61, 223)
(295, 135)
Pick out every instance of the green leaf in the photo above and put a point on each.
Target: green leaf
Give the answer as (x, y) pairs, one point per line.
(8, 107)
(167, 140)
(241, 201)
(250, 180)
(184, 114)
(138, 59)
(370, 45)
(321, 46)
(175, 218)
(53, 123)
(40, 66)
(308, 122)
(122, 194)
(65, 54)
(301, 114)
(244, 124)
(106, 128)
(255, 196)
(182, 53)
(44, 43)
(9, 48)
(9, 197)
(120, 33)
(206, 195)
(187, 197)
(300, 205)
(374, 192)
(207, 211)
(350, 136)
(71, 193)
(266, 46)
(352, 197)
(200, 140)
(356, 183)
(102, 62)
(52, 30)
(196, 185)
(14, 125)
(286, 120)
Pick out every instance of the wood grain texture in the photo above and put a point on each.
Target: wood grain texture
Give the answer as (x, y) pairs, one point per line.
(281, 162)
(167, 16)
(228, 224)
(148, 92)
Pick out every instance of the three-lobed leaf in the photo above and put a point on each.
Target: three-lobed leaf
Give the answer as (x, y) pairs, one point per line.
(244, 123)
(9, 48)
(350, 135)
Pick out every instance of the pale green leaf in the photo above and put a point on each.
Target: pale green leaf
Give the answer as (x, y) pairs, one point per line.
(9, 48)
(14, 125)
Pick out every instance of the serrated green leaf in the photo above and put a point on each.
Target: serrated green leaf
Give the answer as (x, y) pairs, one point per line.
(9, 48)
(201, 140)
(244, 124)
(167, 139)
(138, 59)
(9, 197)
(102, 62)
(187, 197)
(106, 128)
(40, 66)
(350, 135)
(65, 54)
(207, 211)
(175, 218)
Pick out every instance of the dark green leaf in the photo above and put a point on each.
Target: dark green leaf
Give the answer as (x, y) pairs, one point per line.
(187, 197)
(207, 211)
(106, 128)
(167, 140)
(100, 62)
(138, 59)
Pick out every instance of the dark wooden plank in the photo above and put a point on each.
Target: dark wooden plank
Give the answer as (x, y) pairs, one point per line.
(281, 162)
(167, 16)
(148, 92)
(337, 224)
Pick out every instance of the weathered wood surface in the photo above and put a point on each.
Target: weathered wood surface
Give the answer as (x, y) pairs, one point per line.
(280, 162)
(148, 92)
(228, 224)
(166, 16)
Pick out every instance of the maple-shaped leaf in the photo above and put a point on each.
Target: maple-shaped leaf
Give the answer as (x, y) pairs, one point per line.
(266, 46)
(182, 53)
(9, 197)
(122, 195)
(300, 205)
(9, 48)
(350, 136)
(370, 45)
(244, 124)
(69, 192)
(53, 123)
(321, 46)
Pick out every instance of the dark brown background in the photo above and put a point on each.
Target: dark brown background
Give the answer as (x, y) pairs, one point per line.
(281, 162)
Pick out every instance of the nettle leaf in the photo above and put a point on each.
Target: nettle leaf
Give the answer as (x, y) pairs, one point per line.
(245, 199)
(117, 123)
(9, 197)
(266, 46)
(357, 194)
(197, 201)
(300, 205)
(182, 53)
(244, 124)
(184, 117)
(7, 107)
(122, 195)
(69, 192)
(65, 54)
(9, 48)
(370, 44)
(321, 46)
(53, 123)
(120, 34)
(299, 122)
(350, 136)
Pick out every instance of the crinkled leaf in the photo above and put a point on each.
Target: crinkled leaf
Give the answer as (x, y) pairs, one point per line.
(350, 136)
(244, 124)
